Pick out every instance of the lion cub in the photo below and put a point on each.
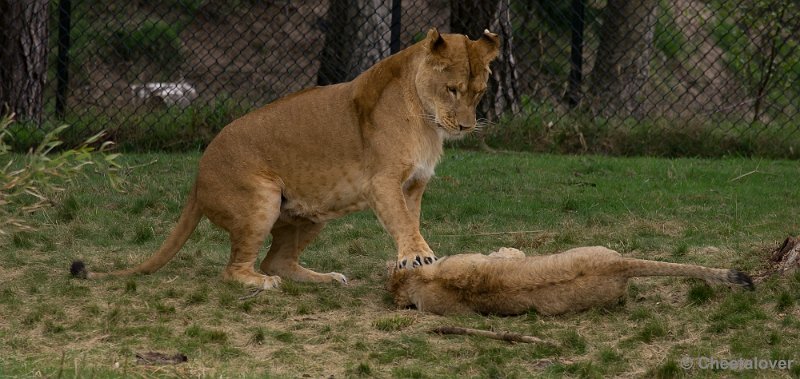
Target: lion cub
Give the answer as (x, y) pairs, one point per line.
(507, 282)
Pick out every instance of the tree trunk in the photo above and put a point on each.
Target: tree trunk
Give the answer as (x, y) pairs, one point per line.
(23, 56)
(622, 69)
(357, 36)
(575, 81)
(503, 92)
(472, 18)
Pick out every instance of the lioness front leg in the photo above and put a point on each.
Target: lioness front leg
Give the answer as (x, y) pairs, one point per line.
(413, 194)
(389, 203)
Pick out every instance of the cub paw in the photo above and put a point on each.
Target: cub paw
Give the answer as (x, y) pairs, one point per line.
(271, 282)
(337, 277)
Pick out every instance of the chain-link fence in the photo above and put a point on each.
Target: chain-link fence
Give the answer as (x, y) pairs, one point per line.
(653, 76)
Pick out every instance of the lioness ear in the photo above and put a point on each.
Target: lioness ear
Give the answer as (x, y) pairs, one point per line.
(435, 41)
(436, 45)
(488, 46)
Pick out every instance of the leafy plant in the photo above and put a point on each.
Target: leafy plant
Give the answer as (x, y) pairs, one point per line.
(761, 45)
(668, 37)
(27, 183)
(154, 39)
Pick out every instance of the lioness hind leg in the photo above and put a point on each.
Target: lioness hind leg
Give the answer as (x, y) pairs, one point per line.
(288, 242)
(248, 225)
(244, 251)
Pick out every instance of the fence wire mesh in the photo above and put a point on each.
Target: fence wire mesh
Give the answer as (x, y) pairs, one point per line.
(588, 75)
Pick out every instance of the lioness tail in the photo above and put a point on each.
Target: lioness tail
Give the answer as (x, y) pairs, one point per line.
(190, 217)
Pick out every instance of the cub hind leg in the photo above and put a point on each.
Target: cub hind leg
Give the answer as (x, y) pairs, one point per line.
(283, 257)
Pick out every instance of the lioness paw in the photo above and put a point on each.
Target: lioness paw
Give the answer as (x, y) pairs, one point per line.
(417, 261)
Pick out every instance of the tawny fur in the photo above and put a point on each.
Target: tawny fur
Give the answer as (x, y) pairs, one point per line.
(291, 166)
(508, 283)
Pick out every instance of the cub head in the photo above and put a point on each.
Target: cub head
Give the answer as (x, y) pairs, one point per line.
(398, 285)
(452, 79)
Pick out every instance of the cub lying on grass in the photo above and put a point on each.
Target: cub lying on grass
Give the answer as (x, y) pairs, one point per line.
(507, 282)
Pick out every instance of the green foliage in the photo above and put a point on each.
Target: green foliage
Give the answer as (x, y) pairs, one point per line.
(761, 41)
(30, 181)
(136, 129)
(189, 6)
(153, 39)
(543, 128)
(556, 16)
(667, 37)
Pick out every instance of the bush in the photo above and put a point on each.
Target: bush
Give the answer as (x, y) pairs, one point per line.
(144, 128)
(153, 39)
(30, 181)
(542, 128)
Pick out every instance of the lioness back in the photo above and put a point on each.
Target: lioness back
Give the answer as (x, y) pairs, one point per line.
(310, 142)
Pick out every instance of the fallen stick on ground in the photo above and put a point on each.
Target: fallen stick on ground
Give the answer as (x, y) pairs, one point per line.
(491, 233)
(510, 337)
(252, 294)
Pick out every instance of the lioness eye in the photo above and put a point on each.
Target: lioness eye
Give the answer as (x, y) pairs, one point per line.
(453, 91)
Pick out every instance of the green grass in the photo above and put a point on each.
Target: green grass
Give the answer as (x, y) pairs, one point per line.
(723, 213)
(393, 323)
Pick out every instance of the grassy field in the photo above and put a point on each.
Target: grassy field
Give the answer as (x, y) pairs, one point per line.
(724, 213)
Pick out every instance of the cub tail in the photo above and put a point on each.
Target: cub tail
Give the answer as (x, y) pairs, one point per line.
(187, 223)
(640, 267)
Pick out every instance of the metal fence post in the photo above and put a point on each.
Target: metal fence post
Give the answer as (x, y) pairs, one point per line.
(394, 45)
(62, 64)
(576, 54)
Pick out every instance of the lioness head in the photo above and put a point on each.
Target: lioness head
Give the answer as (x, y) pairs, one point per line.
(452, 79)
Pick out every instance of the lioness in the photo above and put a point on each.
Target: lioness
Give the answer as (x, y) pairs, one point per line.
(291, 166)
(507, 283)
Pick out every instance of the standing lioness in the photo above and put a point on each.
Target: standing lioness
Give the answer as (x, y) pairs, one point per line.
(293, 165)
